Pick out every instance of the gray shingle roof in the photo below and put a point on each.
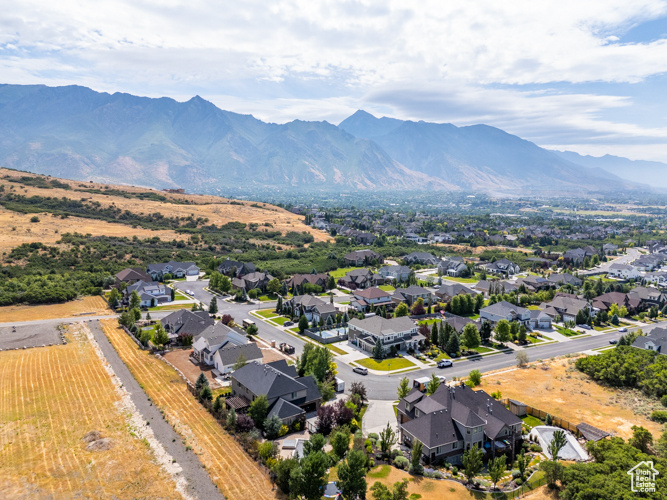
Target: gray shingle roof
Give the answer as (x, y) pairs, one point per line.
(231, 354)
(266, 380)
(378, 325)
(284, 409)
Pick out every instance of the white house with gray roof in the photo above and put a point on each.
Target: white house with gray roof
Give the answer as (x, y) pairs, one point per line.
(656, 341)
(504, 310)
(176, 269)
(399, 332)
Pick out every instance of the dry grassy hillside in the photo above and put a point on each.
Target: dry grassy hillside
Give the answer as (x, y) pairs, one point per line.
(218, 211)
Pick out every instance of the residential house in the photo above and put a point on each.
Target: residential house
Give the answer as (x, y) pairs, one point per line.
(373, 297)
(504, 310)
(565, 279)
(539, 320)
(577, 255)
(415, 237)
(441, 238)
(399, 332)
(304, 305)
(360, 279)
(459, 322)
(235, 268)
(151, 293)
(449, 290)
(410, 295)
(422, 258)
(503, 267)
(649, 262)
(566, 307)
(452, 266)
(642, 298)
(454, 419)
(321, 280)
(131, 275)
(176, 269)
(257, 280)
(609, 248)
(222, 347)
(534, 283)
(494, 287)
(656, 341)
(363, 257)
(624, 271)
(399, 274)
(289, 396)
(186, 322)
(656, 277)
(604, 301)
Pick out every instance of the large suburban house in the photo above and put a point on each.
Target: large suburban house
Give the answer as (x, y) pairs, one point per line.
(400, 332)
(373, 297)
(290, 397)
(449, 290)
(459, 322)
(132, 275)
(360, 279)
(495, 287)
(151, 293)
(411, 294)
(313, 308)
(642, 298)
(624, 271)
(222, 347)
(656, 277)
(504, 310)
(577, 255)
(452, 266)
(321, 280)
(534, 283)
(603, 302)
(235, 268)
(503, 267)
(454, 419)
(363, 257)
(566, 306)
(656, 341)
(395, 273)
(176, 269)
(185, 322)
(422, 258)
(564, 279)
(539, 320)
(257, 280)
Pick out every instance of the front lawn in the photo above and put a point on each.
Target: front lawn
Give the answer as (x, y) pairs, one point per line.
(268, 313)
(387, 288)
(567, 332)
(482, 350)
(335, 349)
(280, 320)
(267, 298)
(181, 296)
(460, 280)
(442, 355)
(531, 421)
(386, 364)
(429, 322)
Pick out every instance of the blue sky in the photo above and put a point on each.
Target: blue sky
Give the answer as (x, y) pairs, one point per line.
(584, 76)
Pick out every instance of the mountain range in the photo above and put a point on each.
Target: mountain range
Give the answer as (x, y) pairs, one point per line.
(77, 133)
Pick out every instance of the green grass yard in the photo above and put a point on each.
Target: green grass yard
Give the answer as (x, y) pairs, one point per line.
(335, 349)
(387, 288)
(339, 273)
(268, 313)
(385, 364)
(531, 421)
(567, 332)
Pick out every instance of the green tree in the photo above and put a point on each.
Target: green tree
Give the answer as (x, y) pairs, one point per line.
(225, 284)
(200, 382)
(415, 462)
(453, 343)
(558, 442)
(135, 300)
(387, 439)
(472, 462)
(160, 337)
(303, 323)
(470, 336)
(623, 312)
(503, 331)
(205, 394)
(309, 479)
(231, 419)
(433, 384)
(340, 443)
(331, 283)
(378, 351)
(114, 298)
(382, 492)
(403, 387)
(485, 329)
(314, 444)
(553, 471)
(475, 377)
(213, 306)
(283, 471)
(352, 476)
(252, 329)
(522, 463)
(497, 469)
(273, 286)
(241, 361)
(642, 439)
(258, 410)
(401, 310)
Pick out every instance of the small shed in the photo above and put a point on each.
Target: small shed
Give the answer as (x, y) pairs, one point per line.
(517, 407)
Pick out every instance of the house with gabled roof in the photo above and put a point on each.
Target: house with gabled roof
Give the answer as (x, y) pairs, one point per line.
(368, 298)
(453, 420)
(399, 332)
(176, 269)
(655, 340)
(395, 273)
(319, 279)
(566, 306)
(235, 268)
(151, 293)
(289, 396)
(251, 281)
(452, 266)
(360, 279)
(363, 257)
(504, 310)
(504, 267)
(565, 279)
(422, 258)
(186, 322)
(132, 275)
(411, 294)
(221, 346)
(449, 290)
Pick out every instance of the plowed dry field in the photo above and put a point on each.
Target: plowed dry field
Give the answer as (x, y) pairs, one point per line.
(86, 306)
(230, 468)
(50, 397)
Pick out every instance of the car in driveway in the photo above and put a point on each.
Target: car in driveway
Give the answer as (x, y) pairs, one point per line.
(360, 370)
(445, 363)
(623, 329)
(613, 341)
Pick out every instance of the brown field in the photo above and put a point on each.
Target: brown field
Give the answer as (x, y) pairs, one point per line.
(45, 410)
(569, 394)
(427, 488)
(79, 307)
(230, 468)
(218, 210)
(17, 229)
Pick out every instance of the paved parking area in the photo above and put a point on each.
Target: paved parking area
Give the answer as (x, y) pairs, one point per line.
(24, 336)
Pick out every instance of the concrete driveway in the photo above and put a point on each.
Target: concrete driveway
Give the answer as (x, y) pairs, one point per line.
(377, 415)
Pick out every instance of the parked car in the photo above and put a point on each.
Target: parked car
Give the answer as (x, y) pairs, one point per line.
(189, 292)
(288, 323)
(360, 370)
(613, 341)
(623, 329)
(445, 363)
(585, 327)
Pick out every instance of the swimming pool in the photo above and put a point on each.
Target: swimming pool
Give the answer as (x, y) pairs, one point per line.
(334, 332)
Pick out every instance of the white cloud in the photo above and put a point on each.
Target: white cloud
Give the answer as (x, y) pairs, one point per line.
(458, 60)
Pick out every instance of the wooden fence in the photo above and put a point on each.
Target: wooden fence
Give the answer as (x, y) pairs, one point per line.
(555, 420)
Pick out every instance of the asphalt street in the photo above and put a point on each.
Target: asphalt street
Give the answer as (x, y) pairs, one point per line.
(632, 254)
